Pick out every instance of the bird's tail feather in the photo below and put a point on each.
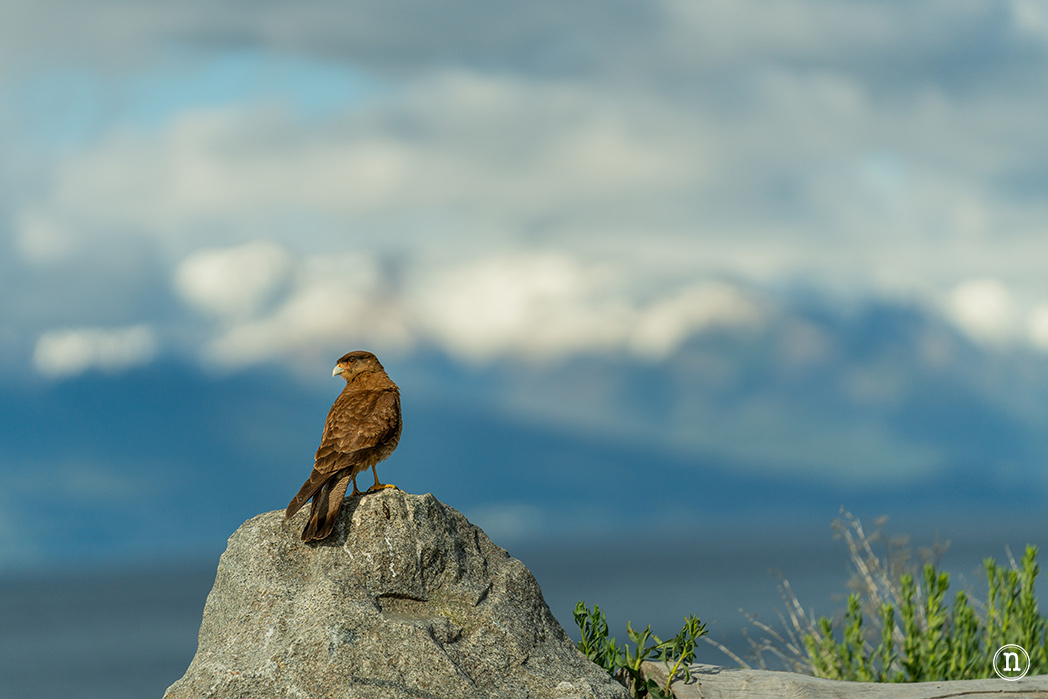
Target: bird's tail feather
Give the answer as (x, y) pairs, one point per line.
(308, 489)
(327, 502)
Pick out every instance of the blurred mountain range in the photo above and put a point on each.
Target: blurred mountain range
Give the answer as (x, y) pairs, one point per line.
(883, 407)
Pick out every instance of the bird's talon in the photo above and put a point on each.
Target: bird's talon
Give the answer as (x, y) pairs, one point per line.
(381, 486)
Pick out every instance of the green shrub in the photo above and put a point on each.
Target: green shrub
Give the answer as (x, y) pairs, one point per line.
(624, 663)
(896, 628)
(899, 628)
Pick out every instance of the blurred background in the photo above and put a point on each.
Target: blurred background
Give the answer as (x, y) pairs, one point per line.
(664, 286)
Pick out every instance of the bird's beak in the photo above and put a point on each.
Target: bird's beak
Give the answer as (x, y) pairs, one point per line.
(336, 371)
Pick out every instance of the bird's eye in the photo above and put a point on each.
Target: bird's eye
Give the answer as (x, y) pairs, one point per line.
(350, 360)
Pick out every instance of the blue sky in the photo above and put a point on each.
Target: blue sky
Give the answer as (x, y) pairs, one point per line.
(816, 230)
(72, 105)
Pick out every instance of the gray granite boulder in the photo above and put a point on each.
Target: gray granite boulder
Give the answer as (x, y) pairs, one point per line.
(405, 599)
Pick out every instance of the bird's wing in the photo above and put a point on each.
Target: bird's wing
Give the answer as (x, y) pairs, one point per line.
(357, 423)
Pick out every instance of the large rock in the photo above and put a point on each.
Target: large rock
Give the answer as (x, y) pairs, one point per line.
(405, 599)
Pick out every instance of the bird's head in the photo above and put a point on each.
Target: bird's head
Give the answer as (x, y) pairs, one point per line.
(354, 363)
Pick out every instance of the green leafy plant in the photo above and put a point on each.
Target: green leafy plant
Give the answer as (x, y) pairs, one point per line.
(624, 663)
(595, 644)
(682, 647)
(898, 626)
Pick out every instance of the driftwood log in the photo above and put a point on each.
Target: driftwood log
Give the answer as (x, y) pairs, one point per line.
(713, 682)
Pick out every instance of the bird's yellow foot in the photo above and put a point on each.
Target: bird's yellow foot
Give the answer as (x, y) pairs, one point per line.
(380, 486)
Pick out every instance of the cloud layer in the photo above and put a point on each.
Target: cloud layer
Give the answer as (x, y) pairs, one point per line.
(263, 303)
(536, 181)
(71, 351)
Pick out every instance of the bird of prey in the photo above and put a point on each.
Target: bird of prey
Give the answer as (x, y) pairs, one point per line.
(362, 429)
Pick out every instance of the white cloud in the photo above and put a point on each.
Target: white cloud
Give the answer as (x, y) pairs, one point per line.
(41, 239)
(537, 306)
(661, 327)
(1038, 327)
(438, 146)
(1029, 18)
(546, 306)
(333, 302)
(233, 282)
(984, 309)
(71, 351)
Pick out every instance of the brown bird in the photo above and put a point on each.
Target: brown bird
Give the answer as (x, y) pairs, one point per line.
(362, 429)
